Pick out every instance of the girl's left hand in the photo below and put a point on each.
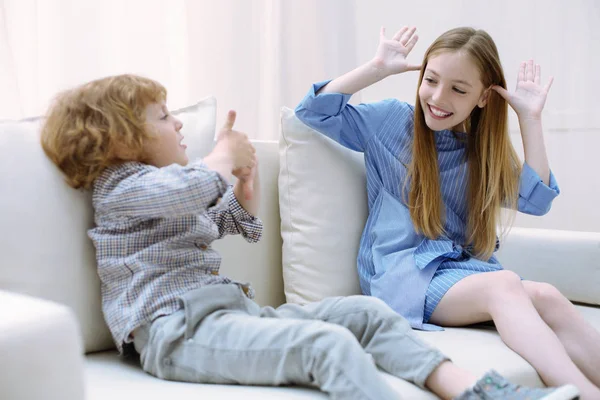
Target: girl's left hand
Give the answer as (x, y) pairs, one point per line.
(529, 97)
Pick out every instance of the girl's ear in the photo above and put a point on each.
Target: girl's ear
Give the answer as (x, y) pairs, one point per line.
(483, 99)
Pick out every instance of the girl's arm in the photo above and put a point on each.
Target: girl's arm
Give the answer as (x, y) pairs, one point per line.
(534, 147)
(325, 108)
(389, 59)
(528, 102)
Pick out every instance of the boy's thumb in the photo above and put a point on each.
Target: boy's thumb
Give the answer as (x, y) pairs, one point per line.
(230, 120)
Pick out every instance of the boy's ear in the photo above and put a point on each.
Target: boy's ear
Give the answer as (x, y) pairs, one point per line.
(483, 99)
(124, 154)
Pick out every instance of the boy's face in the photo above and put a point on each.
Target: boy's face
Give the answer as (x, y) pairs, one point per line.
(165, 147)
(450, 90)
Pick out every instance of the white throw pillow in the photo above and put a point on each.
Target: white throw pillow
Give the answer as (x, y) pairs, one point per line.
(44, 247)
(323, 207)
(199, 123)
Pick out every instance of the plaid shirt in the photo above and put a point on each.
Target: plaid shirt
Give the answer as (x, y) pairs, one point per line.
(153, 235)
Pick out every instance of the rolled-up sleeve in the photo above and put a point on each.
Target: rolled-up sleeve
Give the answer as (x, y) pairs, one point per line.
(535, 197)
(351, 126)
(232, 219)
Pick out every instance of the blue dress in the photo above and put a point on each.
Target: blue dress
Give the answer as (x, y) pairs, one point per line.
(408, 271)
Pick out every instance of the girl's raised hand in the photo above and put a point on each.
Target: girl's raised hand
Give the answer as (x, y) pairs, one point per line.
(529, 97)
(391, 53)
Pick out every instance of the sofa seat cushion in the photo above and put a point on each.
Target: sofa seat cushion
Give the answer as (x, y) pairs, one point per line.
(476, 349)
(110, 377)
(480, 349)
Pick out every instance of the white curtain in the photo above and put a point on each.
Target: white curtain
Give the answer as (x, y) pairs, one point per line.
(253, 55)
(258, 55)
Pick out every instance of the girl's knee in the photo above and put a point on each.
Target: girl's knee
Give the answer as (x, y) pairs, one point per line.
(507, 282)
(506, 286)
(554, 308)
(546, 296)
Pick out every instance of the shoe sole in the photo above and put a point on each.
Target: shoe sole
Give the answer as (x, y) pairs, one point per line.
(566, 392)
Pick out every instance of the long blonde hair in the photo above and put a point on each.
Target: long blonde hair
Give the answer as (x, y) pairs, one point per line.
(99, 124)
(493, 165)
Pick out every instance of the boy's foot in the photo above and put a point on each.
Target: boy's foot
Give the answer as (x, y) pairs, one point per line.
(494, 387)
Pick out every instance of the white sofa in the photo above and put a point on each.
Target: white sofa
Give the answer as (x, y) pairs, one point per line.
(53, 341)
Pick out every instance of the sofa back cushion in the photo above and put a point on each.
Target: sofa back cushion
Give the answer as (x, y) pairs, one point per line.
(44, 247)
(323, 207)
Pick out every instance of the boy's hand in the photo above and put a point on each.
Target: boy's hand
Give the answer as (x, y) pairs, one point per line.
(235, 145)
(232, 151)
(245, 176)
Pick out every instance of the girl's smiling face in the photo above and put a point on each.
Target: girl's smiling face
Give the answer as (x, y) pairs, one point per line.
(450, 90)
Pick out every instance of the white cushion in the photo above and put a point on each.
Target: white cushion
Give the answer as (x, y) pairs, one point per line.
(323, 208)
(41, 350)
(43, 242)
(198, 126)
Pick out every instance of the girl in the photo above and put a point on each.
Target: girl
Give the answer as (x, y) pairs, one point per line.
(438, 174)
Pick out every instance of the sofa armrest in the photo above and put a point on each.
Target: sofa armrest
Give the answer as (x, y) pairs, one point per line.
(568, 260)
(41, 350)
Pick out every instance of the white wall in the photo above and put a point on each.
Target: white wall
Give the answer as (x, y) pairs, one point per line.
(563, 37)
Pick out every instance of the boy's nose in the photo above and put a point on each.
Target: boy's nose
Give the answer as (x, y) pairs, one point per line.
(178, 124)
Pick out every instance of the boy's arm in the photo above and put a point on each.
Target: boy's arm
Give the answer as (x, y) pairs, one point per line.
(232, 219)
(166, 192)
(236, 213)
(247, 190)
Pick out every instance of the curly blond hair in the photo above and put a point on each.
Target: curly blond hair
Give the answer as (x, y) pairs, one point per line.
(99, 124)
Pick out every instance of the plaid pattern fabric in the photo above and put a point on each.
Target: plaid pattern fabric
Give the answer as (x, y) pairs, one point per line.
(153, 235)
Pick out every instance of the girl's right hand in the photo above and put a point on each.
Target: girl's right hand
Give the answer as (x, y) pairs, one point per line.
(391, 54)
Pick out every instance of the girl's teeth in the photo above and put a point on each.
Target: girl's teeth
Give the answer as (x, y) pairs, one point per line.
(438, 113)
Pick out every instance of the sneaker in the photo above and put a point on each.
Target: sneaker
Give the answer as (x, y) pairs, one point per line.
(494, 387)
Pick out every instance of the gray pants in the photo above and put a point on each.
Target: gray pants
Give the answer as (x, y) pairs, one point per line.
(221, 336)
